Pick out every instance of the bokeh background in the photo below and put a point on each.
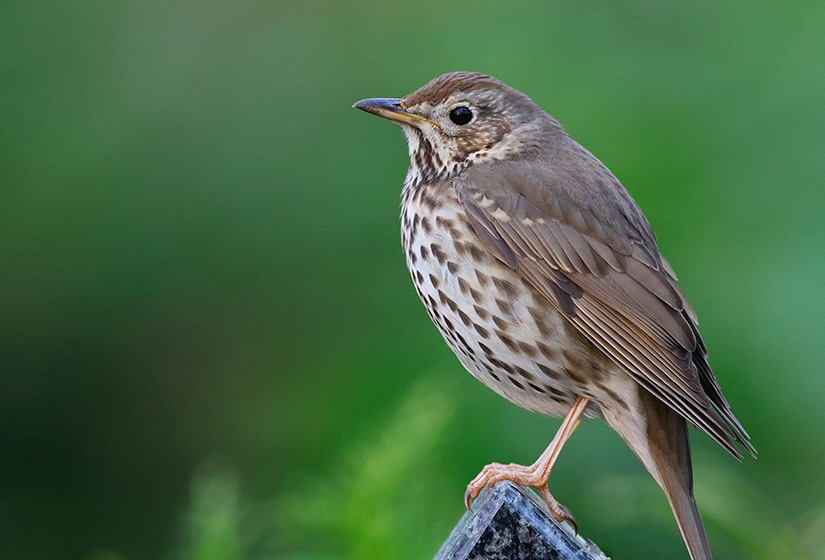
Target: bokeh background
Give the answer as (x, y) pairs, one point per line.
(209, 343)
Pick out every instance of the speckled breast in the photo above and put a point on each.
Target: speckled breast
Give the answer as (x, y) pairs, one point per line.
(505, 333)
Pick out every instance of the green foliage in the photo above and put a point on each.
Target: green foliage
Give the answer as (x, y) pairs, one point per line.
(364, 502)
(199, 255)
(214, 517)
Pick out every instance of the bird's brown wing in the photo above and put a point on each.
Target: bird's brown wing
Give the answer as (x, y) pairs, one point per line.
(573, 233)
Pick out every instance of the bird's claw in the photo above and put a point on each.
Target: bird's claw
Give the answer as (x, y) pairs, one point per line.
(494, 473)
(559, 512)
(469, 496)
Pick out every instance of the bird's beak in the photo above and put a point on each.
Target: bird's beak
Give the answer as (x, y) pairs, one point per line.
(390, 108)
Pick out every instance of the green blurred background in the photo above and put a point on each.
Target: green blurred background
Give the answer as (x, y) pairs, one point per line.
(210, 345)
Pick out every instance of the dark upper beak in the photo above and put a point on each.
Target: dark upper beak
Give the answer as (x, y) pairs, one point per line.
(390, 108)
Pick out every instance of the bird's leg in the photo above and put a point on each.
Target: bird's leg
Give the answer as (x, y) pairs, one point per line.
(535, 475)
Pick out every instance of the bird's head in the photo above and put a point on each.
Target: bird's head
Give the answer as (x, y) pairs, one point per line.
(462, 118)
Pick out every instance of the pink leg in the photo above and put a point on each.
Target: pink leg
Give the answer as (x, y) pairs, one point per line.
(535, 475)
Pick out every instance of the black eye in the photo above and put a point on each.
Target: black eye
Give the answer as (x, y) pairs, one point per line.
(461, 115)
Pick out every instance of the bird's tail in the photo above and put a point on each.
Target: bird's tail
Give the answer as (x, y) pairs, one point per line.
(661, 442)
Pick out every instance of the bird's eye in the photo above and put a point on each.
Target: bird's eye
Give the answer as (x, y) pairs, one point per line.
(461, 115)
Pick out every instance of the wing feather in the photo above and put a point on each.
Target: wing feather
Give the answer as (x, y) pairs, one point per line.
(596, 259)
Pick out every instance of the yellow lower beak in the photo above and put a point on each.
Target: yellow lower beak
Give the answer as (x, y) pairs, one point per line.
(390, 108)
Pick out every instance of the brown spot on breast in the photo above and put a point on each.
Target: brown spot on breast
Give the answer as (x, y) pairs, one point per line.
(527, 348)
(536, 388)
(551, 373)
(483, 279)
(577, 368)
(505, 339)
(504, 286)
(445, 300)
(475, 252)
(575, 375)
(499, 364)
(431, 203)
(546, 352)
(504, 306)
(449, 333)
(434, 281)
(596, 370)
(484, 333)
(438, 253)
(500, 323)
(482, 313)
(556, 392)
(516, 383)
(425, 225)
(539, 316)
(463, 343)
(464, 318)
(524, 373)
(452, 267)
(463, 286)
(611, 393)
(425, 254)
(443, 222)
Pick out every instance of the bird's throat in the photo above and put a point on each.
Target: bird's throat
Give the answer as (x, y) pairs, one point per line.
(430, 160)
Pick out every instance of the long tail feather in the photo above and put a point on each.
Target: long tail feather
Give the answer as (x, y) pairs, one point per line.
(659, 437)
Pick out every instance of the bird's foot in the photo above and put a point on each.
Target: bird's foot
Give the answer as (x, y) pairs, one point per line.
(559, 512)
(534, 476)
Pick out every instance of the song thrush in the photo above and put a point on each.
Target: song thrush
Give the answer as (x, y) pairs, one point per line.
(545, 279)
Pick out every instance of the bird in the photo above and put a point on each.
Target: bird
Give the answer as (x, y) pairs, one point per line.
(544, 277)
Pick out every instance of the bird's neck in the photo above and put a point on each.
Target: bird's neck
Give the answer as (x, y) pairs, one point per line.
(434, 157)
(430, 160)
